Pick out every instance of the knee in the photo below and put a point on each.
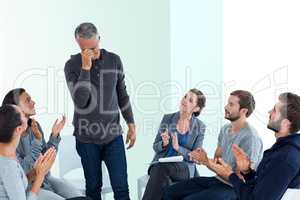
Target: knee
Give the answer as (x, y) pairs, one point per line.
(159, 170)
(46, 194)
(168, 193)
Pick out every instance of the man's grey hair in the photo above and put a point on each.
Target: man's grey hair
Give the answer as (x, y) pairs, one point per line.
(86, 31)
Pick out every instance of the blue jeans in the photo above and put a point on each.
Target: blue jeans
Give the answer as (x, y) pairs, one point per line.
(200, 188)
(113, 154)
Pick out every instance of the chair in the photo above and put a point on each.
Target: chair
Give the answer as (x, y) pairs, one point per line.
(70, 167)
(141, 185)
(291, 194)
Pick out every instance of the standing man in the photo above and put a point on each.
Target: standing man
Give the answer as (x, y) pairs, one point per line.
(96, 82)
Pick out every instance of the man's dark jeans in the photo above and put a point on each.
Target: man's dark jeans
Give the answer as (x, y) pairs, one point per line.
(200, 188)
(113, 154)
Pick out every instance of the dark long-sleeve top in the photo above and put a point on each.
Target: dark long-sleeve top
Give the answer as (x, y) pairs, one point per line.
(98, 95)
(278, 171)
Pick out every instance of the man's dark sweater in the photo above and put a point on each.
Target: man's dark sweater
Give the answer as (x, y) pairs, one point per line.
(278, 171)
(97, 95)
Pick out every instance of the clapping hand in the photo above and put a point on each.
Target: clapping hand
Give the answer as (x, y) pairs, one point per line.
(199, 156)
(242, 160)
(165, 138)
(58, 126)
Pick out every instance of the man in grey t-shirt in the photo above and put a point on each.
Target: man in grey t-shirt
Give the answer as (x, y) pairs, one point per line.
(247, 138)
(239, 132)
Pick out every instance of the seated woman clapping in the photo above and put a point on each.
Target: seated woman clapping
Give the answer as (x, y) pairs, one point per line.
(179, 134)
(33, 143)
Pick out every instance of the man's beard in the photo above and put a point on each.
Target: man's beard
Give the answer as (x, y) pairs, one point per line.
(233, 118)
(274, 125)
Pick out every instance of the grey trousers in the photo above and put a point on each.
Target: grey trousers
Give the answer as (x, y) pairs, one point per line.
(62, 190)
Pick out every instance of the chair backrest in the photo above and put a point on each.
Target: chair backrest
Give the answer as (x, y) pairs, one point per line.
(67, 154)
(291, 194)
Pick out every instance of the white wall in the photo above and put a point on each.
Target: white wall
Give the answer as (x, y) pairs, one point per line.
(196, 60)
(261, 53)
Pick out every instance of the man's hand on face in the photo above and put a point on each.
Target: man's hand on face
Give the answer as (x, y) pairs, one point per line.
(96, 52)
(86, 57)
